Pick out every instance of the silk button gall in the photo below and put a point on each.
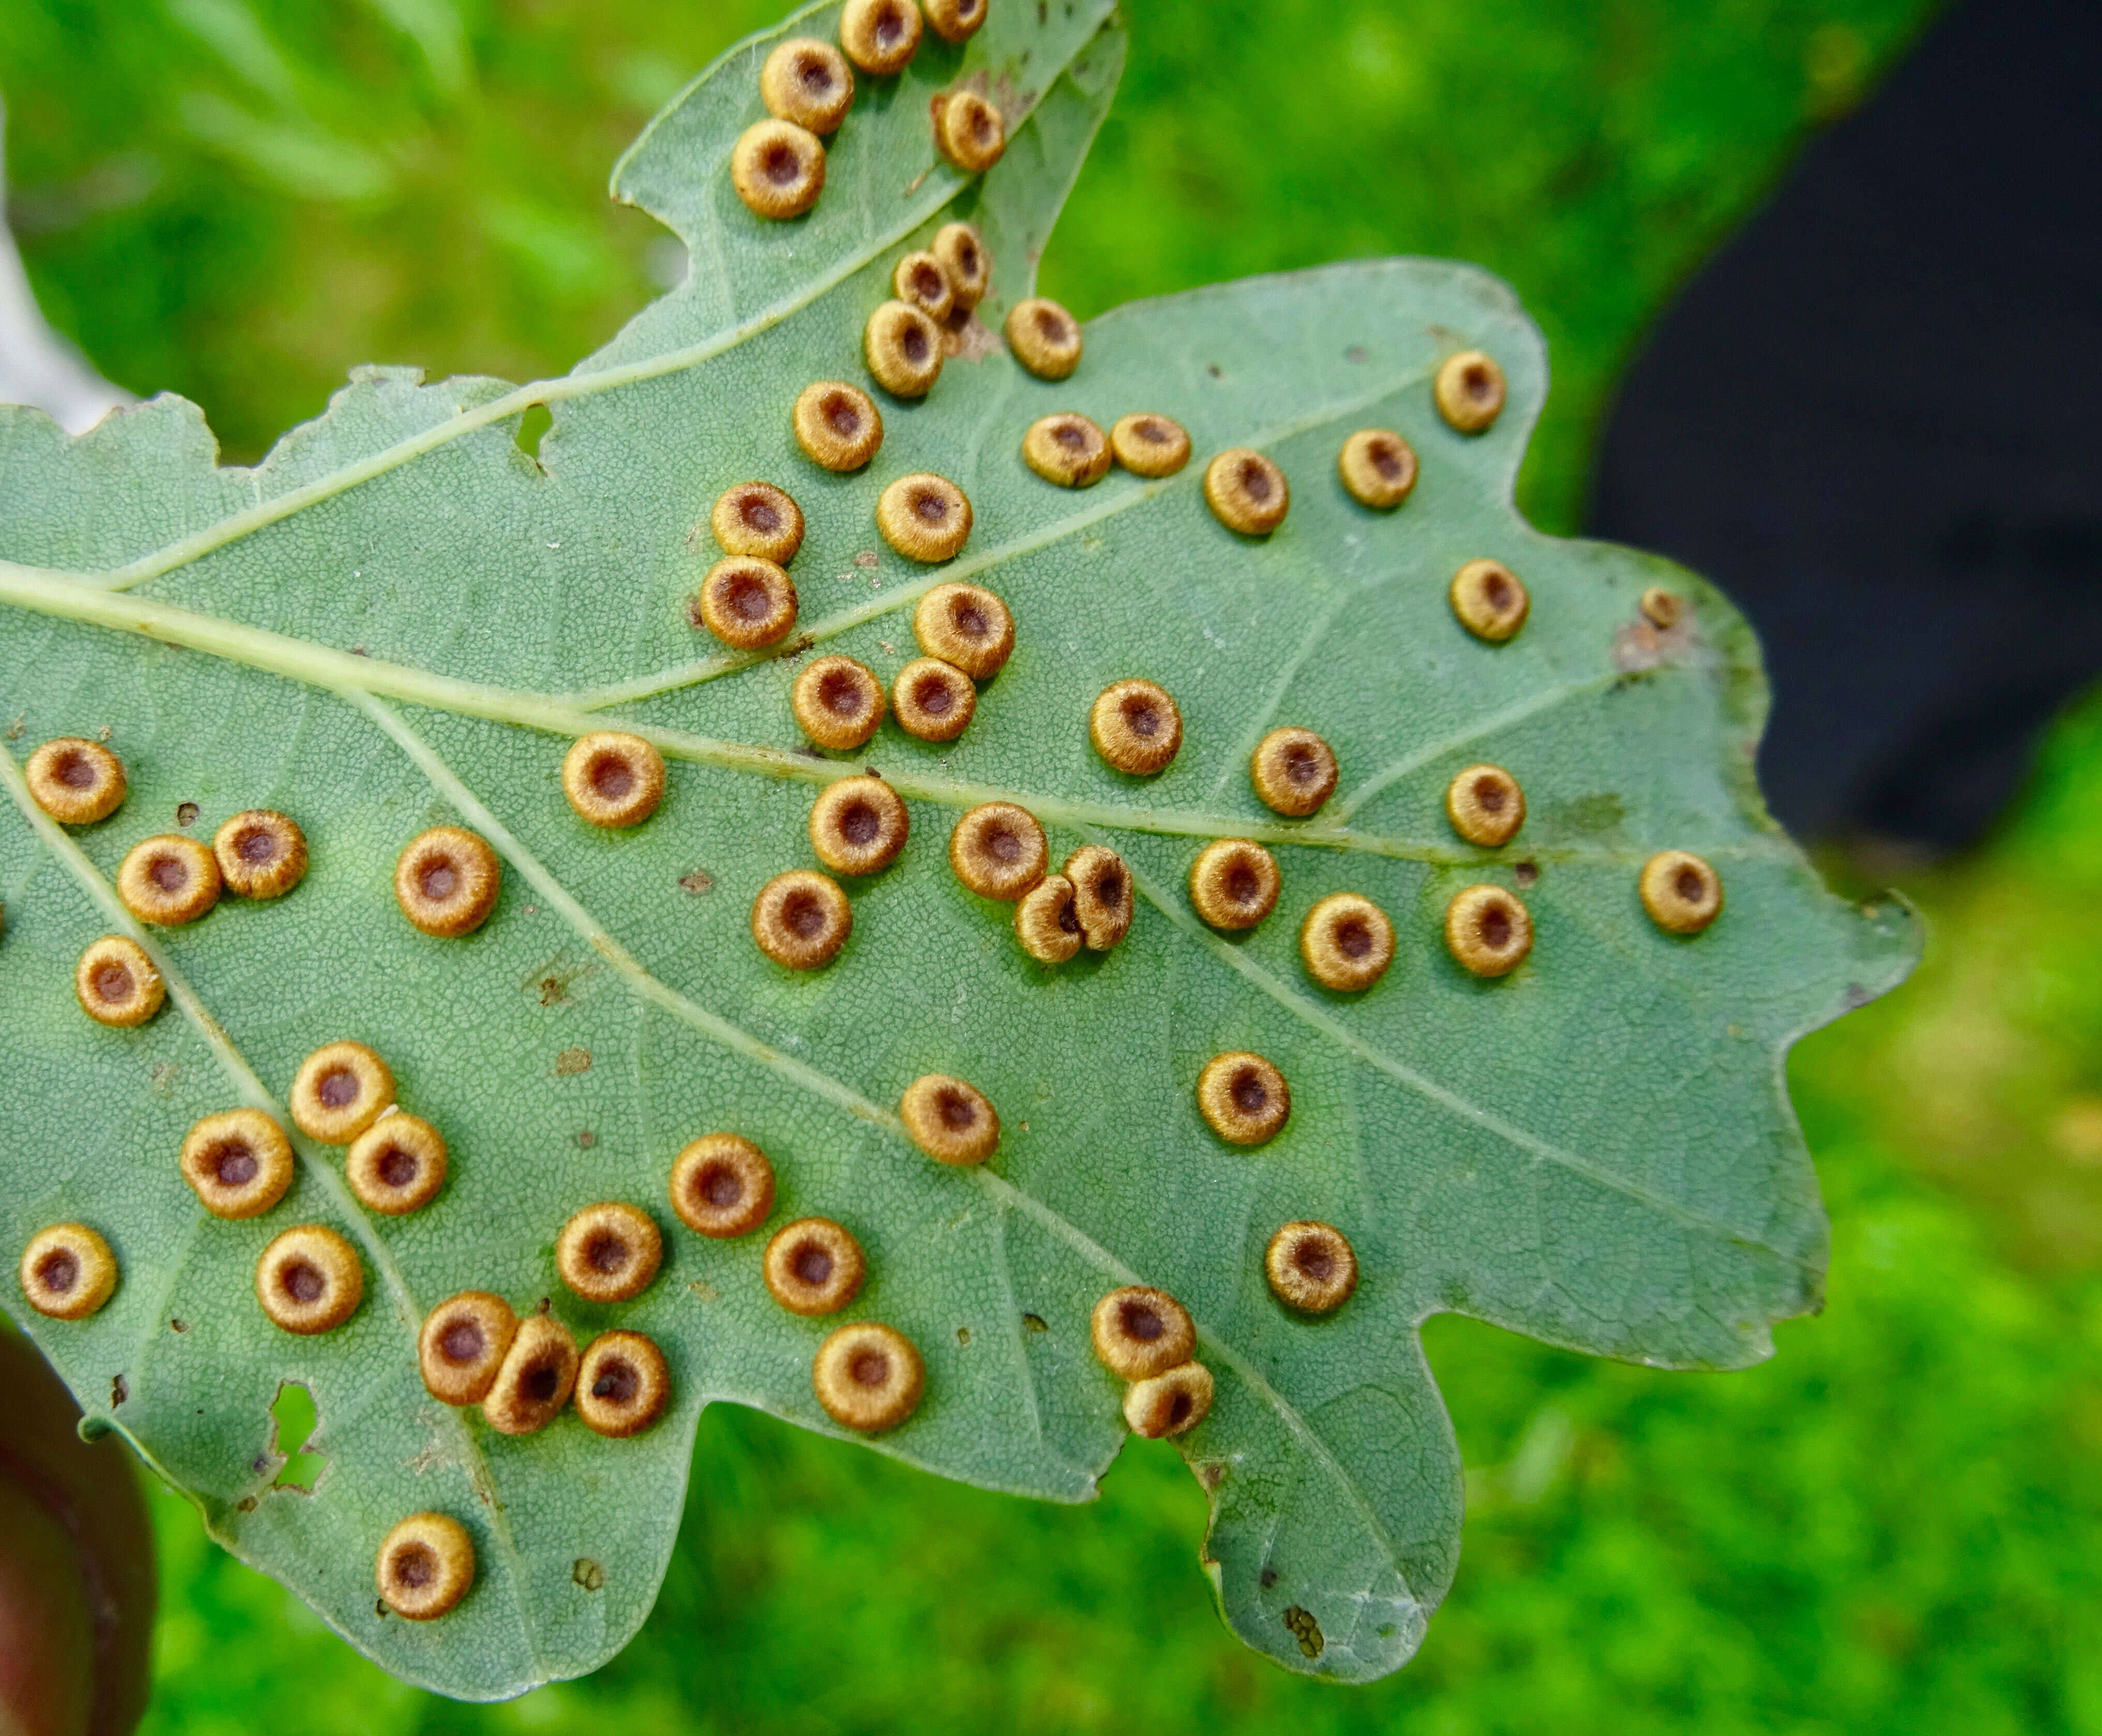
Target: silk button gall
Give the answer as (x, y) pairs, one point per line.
(757, 518)
(999, 851)
(238, 1162)
(622, 1385)
(1247, 492)
(1044, 338)
(949, 1120)
(538, 1375)
(868, 1377)
(1234, 884)
(168, 881)
(1149, 446)
(396, 1165)
(67, 1272)
(814, 1266)
(1294, 771)
(837, 425)
(970, 132)
(722, 1186)
(309, 1280)
(746, 603)
(778, 168)
(1661, 608)
(1488, 930)
(463, 1345)
(1485, 806)
(1468, 392)
(612, 779)
(1067, 449)
(962, 252)
(1346, 943)
(115, 983)
(1489, 600)
(1169, 1404)
(903, 346)
(1311, 1267)
(933, 700)
(838, 703)
(425, 1566)
(808, 83)
(859, 825)
(954, 20)
(1378, 468)
(1045, 922)
(881, 36)
(925, 517)
(447, 880)
(1139, 1332)
(76, 782)
(919, 279)
(1243, 1098)
(967, 626)
(339, 1091)
(1135, 727)
(801, 919)
(261, 854)
(609, 1252)
(1102, 894)
(1681, 893)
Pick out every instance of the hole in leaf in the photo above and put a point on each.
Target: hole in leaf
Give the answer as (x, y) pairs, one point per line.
(293, 1420)
(534, 424)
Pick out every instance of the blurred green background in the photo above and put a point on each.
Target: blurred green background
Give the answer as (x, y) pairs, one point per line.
(1890, 1527)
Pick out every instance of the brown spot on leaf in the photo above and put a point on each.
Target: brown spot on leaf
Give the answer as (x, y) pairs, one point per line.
(572, 1062)
(696, 882)
(1305, 1629)
(588, 1574)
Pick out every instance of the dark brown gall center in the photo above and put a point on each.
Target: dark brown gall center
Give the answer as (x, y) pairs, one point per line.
(1141, 1322)
(804, 915)
(1242, 885)
(462, 1342)
(539, 1385)
(1489, 793)
(1255, 481)
(338, 1089)
(1143, 720)
(304, 1283)
(933, 696)
(1250, 1098)
(236, 1167)
(860, 824)
(169, 874)
(58, 1271)
(870, 1368)
(618, 1382)
(841, 695)
(608, 1253)
(398, 1168)
(844, 419)
(256, 847)
(414, 1567)
(1354, 939)
(74, 772)
(1313, 1257)
(781, 165)
(914, 343)
(720, 1185)
(1495, 928)
(1692, 887)
(113, 983)
(930, 507)
(612, 777)
(440, 878)
(812, 1264)
(958, 1114)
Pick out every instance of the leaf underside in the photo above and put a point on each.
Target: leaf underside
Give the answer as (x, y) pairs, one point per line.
(396, 620)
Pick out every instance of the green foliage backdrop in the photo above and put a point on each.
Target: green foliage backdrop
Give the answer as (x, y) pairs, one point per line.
(1883, 1529)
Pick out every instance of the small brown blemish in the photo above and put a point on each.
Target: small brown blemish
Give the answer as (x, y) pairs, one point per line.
(186, 814)
(777, 168)
(587, 1574)
(697, 882)
(868, 1377)
(1035, 1323)
(1044, 338)
(570, 1062)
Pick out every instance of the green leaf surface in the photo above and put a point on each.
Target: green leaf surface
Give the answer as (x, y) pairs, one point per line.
(398, 618)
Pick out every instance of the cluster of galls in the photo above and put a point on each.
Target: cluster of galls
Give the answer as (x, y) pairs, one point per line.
(778, 166)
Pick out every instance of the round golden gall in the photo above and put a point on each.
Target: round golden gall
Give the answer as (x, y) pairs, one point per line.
(1346, 943)
(757, 518)
(238, 1162)
(868, 1377)
(536, 1380)
(1489, 599)
(965, 625)
(1135, 727)
(1485, 805)
(949, 1120)
(1243, 1098)
(777, 168)
(1294, 771)
(1469, 390)
(1046, 923)
(902, 348)
(1247, 492)
(999, 851)
(801, 919)
(261, 854)
(425, 1566)
(859, 825)
(919, 280)
(116, 983)
(808, 84)
(339, 1091)
(609, 1252)
(962, 252)
(76, 782)
(954, 20)
(722, 1186)
(68, 1272)
(924, 516)
(1311, 1267)
(1662, 609)
(933, 700)
(1488, 930)
(1139, 1332)
(612, 779)
(396, 1165)
(447, 880)
(169, 880)
(969, 131)
(1234, 884)
(1067, 449)
(1378, 467)
(746, 603)
(622, 1385)
(881, 36)
(1149, 446)
(837, 425)
(1681, 893)
(1169, 1404)
(463, 1345)
(838, 702)
(309, 1280)
(1102, 894)
(814, 1266)
(1044, 336)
